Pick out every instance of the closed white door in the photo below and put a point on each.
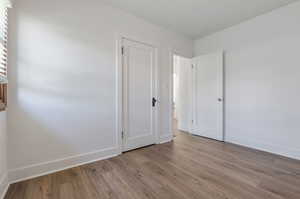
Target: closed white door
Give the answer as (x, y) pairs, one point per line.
(208, 96)
(139, 100)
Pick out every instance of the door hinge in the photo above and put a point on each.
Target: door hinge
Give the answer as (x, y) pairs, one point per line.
(122, 134)
(122, 50)
(192, 121)
(192, 66)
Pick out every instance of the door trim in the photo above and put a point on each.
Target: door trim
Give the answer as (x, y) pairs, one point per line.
(119, 89)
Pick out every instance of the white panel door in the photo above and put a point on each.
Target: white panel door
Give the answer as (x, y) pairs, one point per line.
(138, 95)
(208, 96)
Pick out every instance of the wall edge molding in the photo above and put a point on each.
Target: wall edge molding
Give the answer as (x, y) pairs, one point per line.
(266, 147)
(41, 169)
(3, 186)
(166, 138)
(184, 127)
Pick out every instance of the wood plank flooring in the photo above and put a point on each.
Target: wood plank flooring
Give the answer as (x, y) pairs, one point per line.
(188, 168)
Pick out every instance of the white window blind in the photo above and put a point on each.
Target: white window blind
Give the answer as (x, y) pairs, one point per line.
(4, 6)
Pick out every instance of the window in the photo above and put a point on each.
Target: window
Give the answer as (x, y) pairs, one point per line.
(4, 5)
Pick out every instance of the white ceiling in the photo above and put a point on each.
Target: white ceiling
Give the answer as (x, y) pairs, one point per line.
(197, 18)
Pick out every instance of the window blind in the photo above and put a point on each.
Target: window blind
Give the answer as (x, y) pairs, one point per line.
(4, 6)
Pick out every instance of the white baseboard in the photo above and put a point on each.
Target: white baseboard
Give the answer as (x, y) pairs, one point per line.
(3, 186)
(36, 170)
(271, 148)
(41, 169)
(184, 127)
(166, 138)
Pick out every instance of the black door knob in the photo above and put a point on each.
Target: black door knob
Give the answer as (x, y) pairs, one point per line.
(153, 102)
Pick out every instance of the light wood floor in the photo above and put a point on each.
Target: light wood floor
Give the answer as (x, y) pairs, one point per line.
(190, 167)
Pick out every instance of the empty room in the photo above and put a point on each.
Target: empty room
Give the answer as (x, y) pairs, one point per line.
(149, 99)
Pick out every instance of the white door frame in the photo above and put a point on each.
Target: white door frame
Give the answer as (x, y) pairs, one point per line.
(172, 53)
(119, 89)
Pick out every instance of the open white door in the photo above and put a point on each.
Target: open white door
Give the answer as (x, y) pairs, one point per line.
(138, 95)
(208, 96)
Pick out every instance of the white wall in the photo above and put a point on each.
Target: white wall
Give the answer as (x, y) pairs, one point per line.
(62, 81)
(3, 162)
(262, 80)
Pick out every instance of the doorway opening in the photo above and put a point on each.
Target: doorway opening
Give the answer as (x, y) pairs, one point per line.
(197, 95)
(182, 94)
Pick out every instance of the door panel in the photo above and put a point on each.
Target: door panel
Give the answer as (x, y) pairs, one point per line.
(208, 96)
(138, 91)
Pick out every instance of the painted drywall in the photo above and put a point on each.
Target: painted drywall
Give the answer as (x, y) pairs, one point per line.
(62, 95)
(3, 159)
(262, 80)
